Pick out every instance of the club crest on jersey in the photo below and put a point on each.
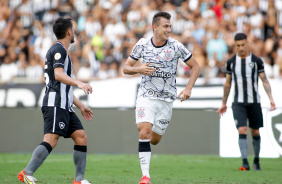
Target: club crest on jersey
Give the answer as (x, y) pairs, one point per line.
(140, 112)
(57, 56)
(62, 125)
(167, 54)
(251, 64)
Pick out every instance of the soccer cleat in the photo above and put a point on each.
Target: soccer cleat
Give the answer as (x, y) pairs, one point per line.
(26, 178)
(256, 166)
(81, 182)
(145, 180)
(245, 167)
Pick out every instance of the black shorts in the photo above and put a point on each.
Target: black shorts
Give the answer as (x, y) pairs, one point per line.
(60, 121)
(252, 112)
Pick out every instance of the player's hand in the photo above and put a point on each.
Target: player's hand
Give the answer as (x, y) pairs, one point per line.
(273, 106)
(85, 87)
(146, 70)
(185, 94)
(86, 113)
(222, 110)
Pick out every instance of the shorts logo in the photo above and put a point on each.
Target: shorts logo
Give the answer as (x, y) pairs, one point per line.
(140, 113)
(164, 122)
(274, 129)
(62, 125)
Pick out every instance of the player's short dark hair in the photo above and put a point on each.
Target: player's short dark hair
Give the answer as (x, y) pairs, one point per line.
(61, 26)
(240, 36)
(158, 16)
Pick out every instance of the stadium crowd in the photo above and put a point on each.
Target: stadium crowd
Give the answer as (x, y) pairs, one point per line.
(106, 31)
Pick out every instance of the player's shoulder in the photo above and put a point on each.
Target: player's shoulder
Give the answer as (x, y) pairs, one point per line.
(255, 58)
(173, 41)
(57, 50)
(143, 41)
(58, 47)
(232, 59)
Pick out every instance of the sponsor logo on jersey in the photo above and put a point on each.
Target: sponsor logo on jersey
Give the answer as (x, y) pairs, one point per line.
(161, 74)
(140, 113)
(62, 125)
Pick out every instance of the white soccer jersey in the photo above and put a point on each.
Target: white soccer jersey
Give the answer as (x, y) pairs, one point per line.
(161, 84)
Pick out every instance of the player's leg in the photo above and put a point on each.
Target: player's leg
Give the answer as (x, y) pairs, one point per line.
(255, 122)
(51, 136)
(240, 118)
(41, 153)
(144, 148)
(145, 117)
(79, 137)
(162, 119)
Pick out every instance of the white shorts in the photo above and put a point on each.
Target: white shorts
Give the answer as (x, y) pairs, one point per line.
(156, 112)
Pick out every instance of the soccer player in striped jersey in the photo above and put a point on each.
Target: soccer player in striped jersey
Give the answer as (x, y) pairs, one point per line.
(157, 90)
(59, 116)
(245, 68)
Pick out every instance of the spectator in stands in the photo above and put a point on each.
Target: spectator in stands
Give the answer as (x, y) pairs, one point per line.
(8, 70)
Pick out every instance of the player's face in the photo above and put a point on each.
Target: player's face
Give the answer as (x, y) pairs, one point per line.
(163, 29)
(242, 48)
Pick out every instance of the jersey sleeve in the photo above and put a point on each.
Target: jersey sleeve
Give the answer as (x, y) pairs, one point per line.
(184, 53)
(260, 65)
(228, 67)
(137, 50)
(59, 57)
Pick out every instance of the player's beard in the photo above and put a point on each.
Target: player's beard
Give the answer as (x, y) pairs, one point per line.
(72, 39)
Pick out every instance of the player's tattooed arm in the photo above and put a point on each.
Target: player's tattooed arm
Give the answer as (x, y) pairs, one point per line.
(226, 88)
(226, 91)
(267, 89)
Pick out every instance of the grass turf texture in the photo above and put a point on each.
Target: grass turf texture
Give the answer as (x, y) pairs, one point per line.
(125, 169)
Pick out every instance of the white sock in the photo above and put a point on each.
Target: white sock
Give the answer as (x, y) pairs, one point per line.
(144, 158)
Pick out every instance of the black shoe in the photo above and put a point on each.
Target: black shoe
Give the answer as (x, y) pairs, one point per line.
(256, 166)
(245, 167)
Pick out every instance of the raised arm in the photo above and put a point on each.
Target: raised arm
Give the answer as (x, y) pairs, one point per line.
(267, 89)
(130, 69)
(226, 91)
(195, 71)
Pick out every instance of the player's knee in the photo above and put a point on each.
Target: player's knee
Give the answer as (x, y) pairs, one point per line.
(243, 130)
(81, 139)
(145, 133)
(255, 132)
(154, 141)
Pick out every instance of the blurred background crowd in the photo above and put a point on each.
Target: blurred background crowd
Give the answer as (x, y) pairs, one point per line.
(106, 31)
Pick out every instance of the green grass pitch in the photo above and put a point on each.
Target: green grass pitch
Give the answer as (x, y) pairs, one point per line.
(125, 169)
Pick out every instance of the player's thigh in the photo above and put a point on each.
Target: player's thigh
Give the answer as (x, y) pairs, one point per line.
(163, 117)
(255, 116)
(74, 125)
(144, 111)
(240, 114)
(56, 120)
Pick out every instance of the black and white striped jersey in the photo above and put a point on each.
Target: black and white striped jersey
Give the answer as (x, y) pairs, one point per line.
(58, 94)
(245, 73)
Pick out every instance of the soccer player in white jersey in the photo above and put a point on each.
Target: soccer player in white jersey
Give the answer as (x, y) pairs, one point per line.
(245, 68)
(59, 116)
(157, 90)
